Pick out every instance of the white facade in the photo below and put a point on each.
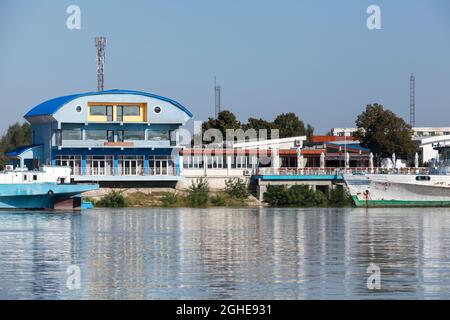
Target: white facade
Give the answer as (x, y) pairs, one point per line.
(417, 131)
(427, 145)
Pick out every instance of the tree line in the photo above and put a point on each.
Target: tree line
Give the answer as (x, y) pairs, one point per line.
(287, 124)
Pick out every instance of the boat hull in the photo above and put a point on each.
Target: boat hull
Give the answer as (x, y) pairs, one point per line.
(43, 195)
(398, 190)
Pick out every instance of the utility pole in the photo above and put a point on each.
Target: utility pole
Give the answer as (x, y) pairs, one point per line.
(217, 98)
(100, 44)
(412, 100)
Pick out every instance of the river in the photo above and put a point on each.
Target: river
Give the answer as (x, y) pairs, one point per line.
(226, 254)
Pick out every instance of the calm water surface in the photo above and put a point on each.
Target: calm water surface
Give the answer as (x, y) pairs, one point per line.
(226, 253)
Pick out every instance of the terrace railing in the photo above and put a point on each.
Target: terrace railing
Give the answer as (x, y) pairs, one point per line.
(338, 171)
(99, 171)
(146, 171)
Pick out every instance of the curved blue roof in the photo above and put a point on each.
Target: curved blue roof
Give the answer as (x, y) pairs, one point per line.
(18, 151)
(49, 107)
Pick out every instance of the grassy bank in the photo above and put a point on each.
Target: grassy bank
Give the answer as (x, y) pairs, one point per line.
(235, 194)
(197, 196)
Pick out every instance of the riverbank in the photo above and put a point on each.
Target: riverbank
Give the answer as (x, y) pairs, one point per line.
(150, 198)
(236, 195)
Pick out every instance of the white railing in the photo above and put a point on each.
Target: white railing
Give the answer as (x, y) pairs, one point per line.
(75, 171)
(143, 171)
(93, 171)
(126, 171)
(338, 171)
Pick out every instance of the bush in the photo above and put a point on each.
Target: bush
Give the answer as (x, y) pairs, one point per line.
(113, 199)
(339, 198)
(276, 196)
(236, 188)
(303, 196)
(295, 196)
(198, 193)
(169, 199)
(219, 201)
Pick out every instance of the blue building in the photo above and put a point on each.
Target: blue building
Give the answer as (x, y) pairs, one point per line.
(108, 136)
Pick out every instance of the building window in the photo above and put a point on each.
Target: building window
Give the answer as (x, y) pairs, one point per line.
(131, 165)
(158, 135)
(133, 111)
(193, 161)
(58, 137)
(102, 111)
(157, 109)
(110, 135)
(96, 134)
(72, 134)
(133, 135)
(119, 113)
(241, 162)
(216, 162)
(120, 136)
(161, 165)
(100, 165)
(74, 162)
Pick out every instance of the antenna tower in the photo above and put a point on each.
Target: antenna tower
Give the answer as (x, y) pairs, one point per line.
(412, 100)
(217, 93)
(100, 44)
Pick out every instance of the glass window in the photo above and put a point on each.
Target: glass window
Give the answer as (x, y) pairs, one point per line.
(110, 135)
(120, 113)
(100, 110)
(72, 134)
(58, 137)
(130, 110)
(134, 135)
(120, 136)
(96, 134)
(158, 135)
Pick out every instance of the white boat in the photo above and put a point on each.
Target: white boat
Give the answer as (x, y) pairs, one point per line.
(413, 189)
(47, 188)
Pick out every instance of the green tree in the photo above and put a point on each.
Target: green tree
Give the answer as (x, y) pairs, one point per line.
(384, 133)
(309, 131)
(225, 120)
(198, 193)
(17, 135)
(237, 188)
(259, 124)
(289, 125)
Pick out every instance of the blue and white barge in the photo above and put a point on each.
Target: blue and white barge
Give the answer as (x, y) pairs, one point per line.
(49, 187)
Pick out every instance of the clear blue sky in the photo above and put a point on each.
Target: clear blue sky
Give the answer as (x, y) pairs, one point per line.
(315, 58)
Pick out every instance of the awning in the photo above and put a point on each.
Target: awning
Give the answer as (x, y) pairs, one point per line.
(33, 151)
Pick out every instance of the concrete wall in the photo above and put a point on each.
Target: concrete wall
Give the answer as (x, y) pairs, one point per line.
(215, 183)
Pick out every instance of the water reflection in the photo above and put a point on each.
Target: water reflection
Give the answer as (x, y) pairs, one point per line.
(226, 253)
